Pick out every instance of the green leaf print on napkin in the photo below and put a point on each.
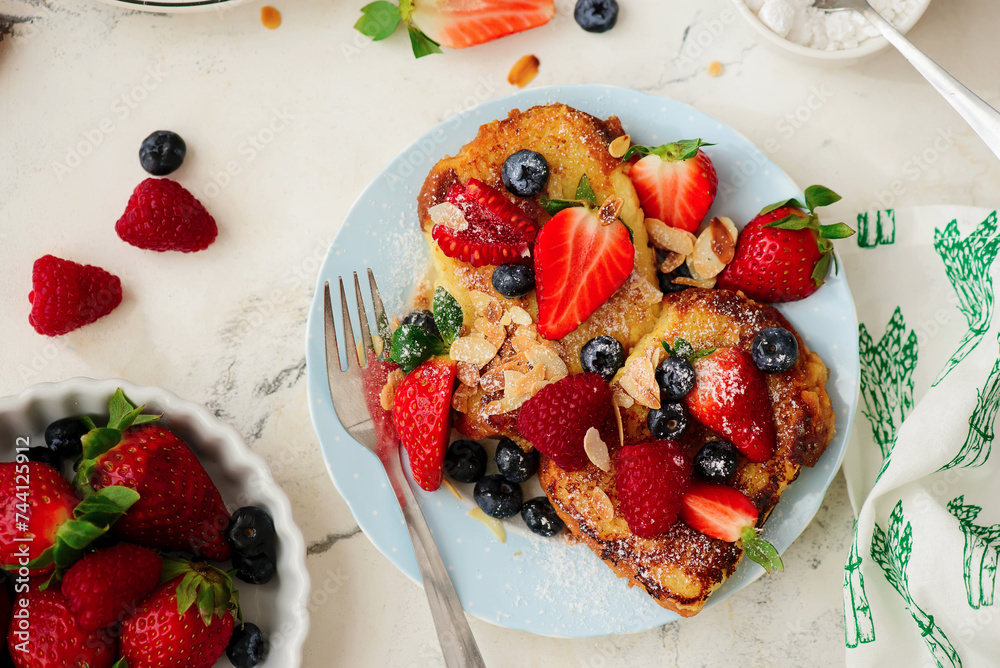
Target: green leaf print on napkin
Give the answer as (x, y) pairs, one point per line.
(876, 228)
(967, 264)
(981, 554)
(979, 441)
(887, 379)
(891, 551)
(859, 627)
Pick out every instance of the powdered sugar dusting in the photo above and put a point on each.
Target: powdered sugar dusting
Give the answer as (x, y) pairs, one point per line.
(799, 22)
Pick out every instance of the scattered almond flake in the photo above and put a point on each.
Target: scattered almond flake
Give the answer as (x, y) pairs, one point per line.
(395, 323)
(669, 238)
(621, 398)
(528, 331)
(695, 283)
(492, 523)
(518, 553)
(619, 146)
(602, 504)
(494, 408)
(512, 381)
(378, 344)
(494, 311)
(480, 300)
(704, 260)
(714, 68)
(522, 343)
(448, 215)
(618, 421)
(473, 349)
(523, 72)
(639, 381)
(596, 449)
(494, 332)
(467, 373)
(491, 380)
(671, 262)
(512, 401)
(451, 486)
(460, 403)
(516, 363)
(519, 316)
(542, 355)
(538, 386)
(724, 235)
(505, 320)
(387, 397)
(609, 211)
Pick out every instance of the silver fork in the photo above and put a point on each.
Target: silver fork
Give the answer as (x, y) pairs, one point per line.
(348, 394)
(983, 118)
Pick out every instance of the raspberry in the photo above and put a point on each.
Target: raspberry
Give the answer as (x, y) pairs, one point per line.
(556, 419)
(652, 478)
(497, 231)
(66, 295)
(161, 215)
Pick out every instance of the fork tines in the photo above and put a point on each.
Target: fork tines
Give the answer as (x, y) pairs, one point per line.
(330, 328)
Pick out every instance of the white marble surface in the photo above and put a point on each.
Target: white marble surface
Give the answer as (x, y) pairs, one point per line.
(286, 127)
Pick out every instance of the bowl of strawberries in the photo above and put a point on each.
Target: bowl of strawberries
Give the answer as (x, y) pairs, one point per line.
(137, 529)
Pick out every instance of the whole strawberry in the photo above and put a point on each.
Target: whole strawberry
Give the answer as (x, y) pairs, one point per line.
(105, 585)
(422, 413)
(784, 253)
(43, 524)
(557, 418)
(676, 182)
(652, 478)
(52, 636)
(66, 295)
(185, 623)
(162, 215)
(179, 506)
(730, 397)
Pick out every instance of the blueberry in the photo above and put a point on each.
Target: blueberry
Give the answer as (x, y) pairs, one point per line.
(465, 461)
(255, 570)
(675, 376)
(63, 437)
(539, 515)
(774, 350)
(515, 464)
(43, 455)
(497, 496)
(666, 280)
(525, 173)
(668, 421)
(602, 355)
(247, 646)
(250, 531)
(716, 461)
(513, 280)
(596, 15)
(162, 152)
(423, 319)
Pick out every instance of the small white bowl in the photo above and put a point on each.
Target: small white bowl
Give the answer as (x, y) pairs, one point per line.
(822, 57)
(243, 478)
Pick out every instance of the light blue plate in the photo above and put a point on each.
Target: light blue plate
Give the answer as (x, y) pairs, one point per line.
(531, 583)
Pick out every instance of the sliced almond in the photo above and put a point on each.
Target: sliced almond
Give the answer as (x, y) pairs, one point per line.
(602, 504)
(387, 397)
(671, 262)
(542, 355)
(596, 449)
(723, 238)
(621, 397)
(460, 402)
(491, 380)
(480, 300)
(539, 385)
(639, 380)
(522, 343)
(467, 373)
(714, 68)
(669, 238)
(494, 311)
(494, 408)
(451, 487)
(473, 349)
(621, 426)
(448, 215)
(492, 523)
(524, 71)
(519, 316)
(619, 146)
(494, 332)
(704, 260)
(707, 284)
(609, 211)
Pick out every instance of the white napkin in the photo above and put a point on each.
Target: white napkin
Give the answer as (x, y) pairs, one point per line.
(920, 583)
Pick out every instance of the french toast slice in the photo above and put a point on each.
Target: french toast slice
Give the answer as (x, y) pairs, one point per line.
(574, 143)
(682, 567)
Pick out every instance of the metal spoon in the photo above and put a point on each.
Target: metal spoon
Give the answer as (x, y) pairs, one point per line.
(983, 118)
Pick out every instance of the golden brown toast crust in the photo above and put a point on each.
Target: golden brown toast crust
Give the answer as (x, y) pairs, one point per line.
(681, 568)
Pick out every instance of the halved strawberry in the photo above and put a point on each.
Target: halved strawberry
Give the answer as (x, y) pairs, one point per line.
(422, 412)
(730, 398)
(490, 229)
(725, 513)
(582, 257)
(676, 183)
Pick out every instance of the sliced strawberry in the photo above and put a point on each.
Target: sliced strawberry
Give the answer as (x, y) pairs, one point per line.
(422, 412)
(730, 398)
(582, 257)
(460, 23)
(490, 230)
(725, 513)
(651, 479)
(784, 253)
(676, 183)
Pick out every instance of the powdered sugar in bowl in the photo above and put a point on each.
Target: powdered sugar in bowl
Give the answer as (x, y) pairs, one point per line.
(796, 29)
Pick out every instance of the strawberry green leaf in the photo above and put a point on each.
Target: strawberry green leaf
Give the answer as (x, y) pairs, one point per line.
(378, 20)
(791, 222)
(206, 603)
(836, 231)
(684, 149)
(760, 550)
(422, 44)
(821, 269)
(87, 422)
(120, 663)
(777, 205)
(817, 196)
(98, 441)
(634, 151)
(172, 568)
(585, 192)
(448, 315)
(413, 345)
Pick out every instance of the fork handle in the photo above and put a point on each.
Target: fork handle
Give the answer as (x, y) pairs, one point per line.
(456, 639)
(983, 118)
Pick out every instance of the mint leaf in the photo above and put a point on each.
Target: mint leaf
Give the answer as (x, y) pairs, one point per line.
(412, 345)
(421, 43)
(378, 20)
(585, 192)
(448, 316)
(554, 206)
(817, 196)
